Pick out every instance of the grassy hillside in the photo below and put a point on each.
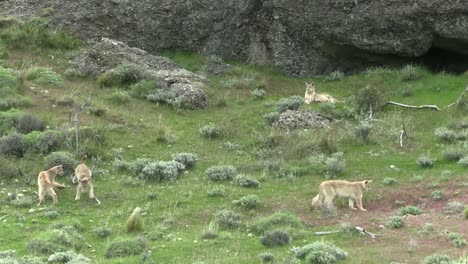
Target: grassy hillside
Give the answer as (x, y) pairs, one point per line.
(190, 217)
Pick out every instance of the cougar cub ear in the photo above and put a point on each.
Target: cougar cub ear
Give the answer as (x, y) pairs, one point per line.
(368, 181)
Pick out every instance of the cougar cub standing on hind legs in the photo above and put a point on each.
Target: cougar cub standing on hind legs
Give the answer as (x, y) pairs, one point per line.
(83, 175)
(46, 183)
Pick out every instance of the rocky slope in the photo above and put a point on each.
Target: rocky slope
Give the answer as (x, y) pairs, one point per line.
(302, 37)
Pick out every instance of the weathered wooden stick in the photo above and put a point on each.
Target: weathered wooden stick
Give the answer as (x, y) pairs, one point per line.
(3, 217)
(327, 232)
(435, 107)
(364, 231)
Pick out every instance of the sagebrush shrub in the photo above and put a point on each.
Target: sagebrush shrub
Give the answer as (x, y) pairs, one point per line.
(272, 117)
(227, 219)
(245, 181)
(27, 123)
(412, 210)
(425, 162)
(219, 173)
(8, 168)
(267, 257)
(127, 247)
(44, 76)
(167, 96)
(457, 239)
(123, 75)
(23, 202)
(369, 98)
(445, 134)
(13, 144)
(437, 259)
(290, 103)
(143, 88)
(161, 171)
(335, 76)
(103, 231)
(60, 239)
(463, 161)
(362, 132)
(217, 191)
(188, 159)
(319, 252)
(64, 158)
(119, 97)
(250, 201)
(335, 164)
(409, 73)
(210, 131)
(8, 79)
(275, 238)
(437, 195)
(394, 221)
(258, 93)
(453, 154)
(275, 221)
(389, 181)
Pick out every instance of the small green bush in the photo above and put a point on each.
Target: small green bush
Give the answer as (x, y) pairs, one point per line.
(275, 221)
(463, 161)
(245, 181)
(335, 76)
(250, 201)
(267, 257)
(437, 195)
(394, 221)
(23, 202)
(188, 159)
(217, 191)
(127, 247)
(210, 131)
(161, 171)
(362, 132)
(68, 257)
(56, 240)
(227, 219)
(103, 231)
(27, 123)
(119, 97)
(290, 103)
(369, 98)
(319, 252)
(453, 154)
(275, 238)
(335, 164)
(425, 162)
(12, 144)
(258, 93)
(465, 212)
(437, 259)
(389, 181)
(445, 135)
(8, 168)
(220, 173)
(44, 76)
(123, 75)
(166, 96)
(64, 158)
(51, 214)
(272, 117)
(412, 210)
(8, 79)
(152, 196)
(409, 73)
(457, 239)
(143, 88)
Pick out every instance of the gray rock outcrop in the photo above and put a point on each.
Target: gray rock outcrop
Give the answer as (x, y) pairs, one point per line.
(301, 37)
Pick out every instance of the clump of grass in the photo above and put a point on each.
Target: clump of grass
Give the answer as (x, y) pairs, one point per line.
(394, 221)
(465, 212)
(152, 196)
(8, 168)
(161, 171)
(462, 104)
(250, 201)
(245, 181)
(427, 228)
(412, 210)
(13, 145)
(369, 98)
(407, 91)
(210, 131)
(425, 162)
(319, 252)
(119, 98)
(227, 219)
(290, 103)
(51, 214)
(437, 195)
(362, 132)
(44, 76)
(389, 181)
(220, 173)
(143, 88)
(272, 117)
(23, 202)
(123, 75)
(103, 231)
(60, 239)
(463, 161)
(275, 238)
(453, 154)
(126, 247)
(211, 231)
(454, 207)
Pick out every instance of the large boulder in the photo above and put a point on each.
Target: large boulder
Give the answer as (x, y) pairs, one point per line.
(301, 37)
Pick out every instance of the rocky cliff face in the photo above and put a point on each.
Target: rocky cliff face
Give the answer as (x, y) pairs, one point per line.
(302, 37)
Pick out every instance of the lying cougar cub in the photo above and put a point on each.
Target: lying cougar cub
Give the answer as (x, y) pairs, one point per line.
(352, 190)
(83, 175)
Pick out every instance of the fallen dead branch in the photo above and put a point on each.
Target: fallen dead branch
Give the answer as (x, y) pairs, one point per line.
(434, 107)
(358, 228)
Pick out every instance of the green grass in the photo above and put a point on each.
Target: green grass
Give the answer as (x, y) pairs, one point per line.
(175, 218)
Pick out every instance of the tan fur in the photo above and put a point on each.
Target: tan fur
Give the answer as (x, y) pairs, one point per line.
(83, 174)
(46, 183)
(312, 96)
(352, 190)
